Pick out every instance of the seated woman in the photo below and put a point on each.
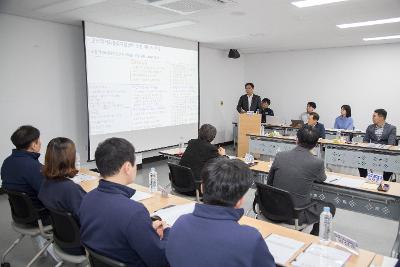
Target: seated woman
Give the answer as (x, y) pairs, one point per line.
(58, 191)
(200, 150)
(344, 121)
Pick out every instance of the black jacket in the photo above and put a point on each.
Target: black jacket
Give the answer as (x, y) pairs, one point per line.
(244, 103)
(197, 153)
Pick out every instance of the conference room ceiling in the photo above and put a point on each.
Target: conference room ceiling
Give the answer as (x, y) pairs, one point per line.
(251, 26)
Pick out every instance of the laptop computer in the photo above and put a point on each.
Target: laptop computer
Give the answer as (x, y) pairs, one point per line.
(272, 120)
(297, 123)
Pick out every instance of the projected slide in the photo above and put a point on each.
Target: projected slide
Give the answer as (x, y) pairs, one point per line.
(134, 86)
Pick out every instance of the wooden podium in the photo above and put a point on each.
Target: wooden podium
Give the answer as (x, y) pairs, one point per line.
(248, 124)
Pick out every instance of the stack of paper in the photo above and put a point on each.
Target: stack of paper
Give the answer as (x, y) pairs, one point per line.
(344, 181)
(170, 215)
(83, 177)
(389, 262)
(282, 248)
(139, 196)
(318, 255)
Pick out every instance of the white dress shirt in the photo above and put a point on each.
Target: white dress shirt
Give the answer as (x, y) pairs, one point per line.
(249, 99)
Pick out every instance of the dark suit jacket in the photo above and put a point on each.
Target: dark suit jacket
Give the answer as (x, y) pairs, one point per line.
(197, 153)
(295, 171)
(321, 130)
(388, 135)
(244, 103)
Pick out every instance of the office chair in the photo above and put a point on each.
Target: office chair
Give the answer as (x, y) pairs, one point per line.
(277, 206)
(97, 260)
(26, 222)
(183, 181)
(66, 236)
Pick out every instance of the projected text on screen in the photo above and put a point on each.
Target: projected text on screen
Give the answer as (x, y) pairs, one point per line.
(135, 86)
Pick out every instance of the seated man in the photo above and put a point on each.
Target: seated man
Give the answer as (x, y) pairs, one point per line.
(200, 150)
(265, 110)
(112, 224)
(21, 171)
(311, 106)
(313, 119)
(380, 132)
(296, 170)
(211, 236)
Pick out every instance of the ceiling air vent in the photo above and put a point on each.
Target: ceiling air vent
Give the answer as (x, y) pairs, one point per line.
(186, 7)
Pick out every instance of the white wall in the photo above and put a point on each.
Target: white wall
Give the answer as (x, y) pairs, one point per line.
(43, 83)
(364, 77)
(221, 79)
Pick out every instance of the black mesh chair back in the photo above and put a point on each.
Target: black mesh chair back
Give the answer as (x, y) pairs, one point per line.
(22, 209)
(66, 232)
(182, 179)
(275, 204)
(97, 260)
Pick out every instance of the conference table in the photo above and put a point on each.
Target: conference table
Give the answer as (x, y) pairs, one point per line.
(157, 202)
(286, 130)
(174, 155)
(337, 153)
(348, 195)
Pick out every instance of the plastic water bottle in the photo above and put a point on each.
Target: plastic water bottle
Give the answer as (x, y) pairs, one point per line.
(325, 226)
(181, 144)
(262, 130)
(77, 161)
(338, 135)
(153, 180)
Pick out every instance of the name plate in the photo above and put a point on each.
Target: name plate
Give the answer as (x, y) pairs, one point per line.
(374, 178)
(346, 242)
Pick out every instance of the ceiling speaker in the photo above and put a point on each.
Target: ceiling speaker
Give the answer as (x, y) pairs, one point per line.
(233, 53)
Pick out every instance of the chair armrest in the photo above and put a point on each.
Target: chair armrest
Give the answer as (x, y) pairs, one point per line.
(313, 203)
(255, 202)
(300, 209)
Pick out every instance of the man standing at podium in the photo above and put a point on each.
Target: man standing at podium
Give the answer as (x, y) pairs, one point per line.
(249, 101)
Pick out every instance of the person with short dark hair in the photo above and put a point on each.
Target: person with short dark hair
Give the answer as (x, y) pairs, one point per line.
(265, 110)
(21, 171)
(58, 191)
(249, 101)
(211, 235)
(200, 150)
(296, 170)
(313, 119)
(311, 106)
(344, 121)
(114, 225)
(380, 132)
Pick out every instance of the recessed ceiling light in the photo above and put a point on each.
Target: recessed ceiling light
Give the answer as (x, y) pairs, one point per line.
(368, 23)
(382, 38)
(308, 3)
(66, 6)
(165, 26)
